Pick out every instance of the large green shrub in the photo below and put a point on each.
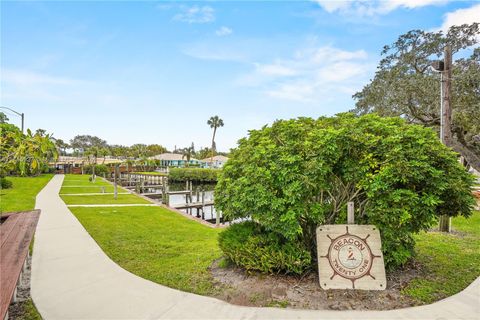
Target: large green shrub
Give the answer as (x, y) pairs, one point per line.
(100, 170)
(25, 154)
(193, 174)
(5, 183)
(298, 174)
(250, 246)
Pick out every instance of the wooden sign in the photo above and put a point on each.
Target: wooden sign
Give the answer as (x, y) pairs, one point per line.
(350, 257)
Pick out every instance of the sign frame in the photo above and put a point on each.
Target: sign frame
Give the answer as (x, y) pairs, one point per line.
(350, 257)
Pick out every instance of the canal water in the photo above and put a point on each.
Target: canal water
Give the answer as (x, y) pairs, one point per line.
(209, 213)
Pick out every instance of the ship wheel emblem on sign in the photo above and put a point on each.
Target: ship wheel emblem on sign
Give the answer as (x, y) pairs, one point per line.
(350, 257)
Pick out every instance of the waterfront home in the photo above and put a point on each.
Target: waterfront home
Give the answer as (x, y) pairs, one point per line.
(214, 162)
(69, 164)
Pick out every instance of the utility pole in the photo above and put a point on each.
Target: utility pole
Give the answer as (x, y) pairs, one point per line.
(446, 118)
(446, 90)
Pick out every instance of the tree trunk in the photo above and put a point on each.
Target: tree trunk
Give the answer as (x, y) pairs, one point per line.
(93, 168)
(213, 145)
(115, 189)
(444, 223)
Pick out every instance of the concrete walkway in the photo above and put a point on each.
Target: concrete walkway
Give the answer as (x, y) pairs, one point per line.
(73, 279)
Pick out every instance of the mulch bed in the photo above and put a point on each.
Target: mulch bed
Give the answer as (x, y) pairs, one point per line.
(236, 286)
(16, 310)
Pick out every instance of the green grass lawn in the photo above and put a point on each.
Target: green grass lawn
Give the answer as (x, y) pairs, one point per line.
(104, 199)
(155, 244)
(452, 261)
(22, 195)
(74, 183)
(169, 249)
(88, 189)
(82, 180)
(152, 242)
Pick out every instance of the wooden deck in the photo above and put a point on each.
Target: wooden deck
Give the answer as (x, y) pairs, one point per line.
(192, 205)
(16, 233)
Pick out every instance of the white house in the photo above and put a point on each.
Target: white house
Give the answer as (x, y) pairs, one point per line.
(174, 160)
(215, 162)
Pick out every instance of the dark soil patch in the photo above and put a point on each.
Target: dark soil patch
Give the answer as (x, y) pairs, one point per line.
(236, 286)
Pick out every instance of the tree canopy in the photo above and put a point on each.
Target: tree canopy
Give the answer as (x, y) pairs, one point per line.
(85, 142)
(25, 154)
(405, 85)
(3, 118)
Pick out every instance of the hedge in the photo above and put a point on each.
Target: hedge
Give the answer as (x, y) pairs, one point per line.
(248, 245)
(193, 174)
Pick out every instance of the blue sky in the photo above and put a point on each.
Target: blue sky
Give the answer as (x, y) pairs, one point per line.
(154, 72)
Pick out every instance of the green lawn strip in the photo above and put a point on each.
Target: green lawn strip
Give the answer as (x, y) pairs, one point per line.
(74, 183)
(86, 183)
(82, 183)
(83, 180)
(22, 195)
(104, 199)
(452, 261)
(89, 189)
(155, 243)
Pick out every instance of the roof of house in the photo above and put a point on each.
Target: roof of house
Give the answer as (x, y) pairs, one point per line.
(216, 159)
(84, 160)
(171, 157)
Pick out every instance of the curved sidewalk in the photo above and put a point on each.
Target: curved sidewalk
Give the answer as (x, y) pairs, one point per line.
(73, 279)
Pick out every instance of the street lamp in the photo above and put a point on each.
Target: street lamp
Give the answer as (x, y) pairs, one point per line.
(445, 69)
(439, 66)
(20, 114)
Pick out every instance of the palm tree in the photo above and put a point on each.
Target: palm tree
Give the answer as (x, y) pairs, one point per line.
(104, 152)
(92, 155)
(187, 153)
(214, 123)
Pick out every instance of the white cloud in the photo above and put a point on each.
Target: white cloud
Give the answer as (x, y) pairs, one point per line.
(461, 16)
(195, 14)
(275, 69)
(223, 31)
(26, 78)
(370, 8)
(311, 73)
(332, 6)
(296, 91)
(29, 85)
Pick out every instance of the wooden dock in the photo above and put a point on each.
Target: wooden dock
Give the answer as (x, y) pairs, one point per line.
(193, 205)
(179, 192)
(159, 194)
(162, 194)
